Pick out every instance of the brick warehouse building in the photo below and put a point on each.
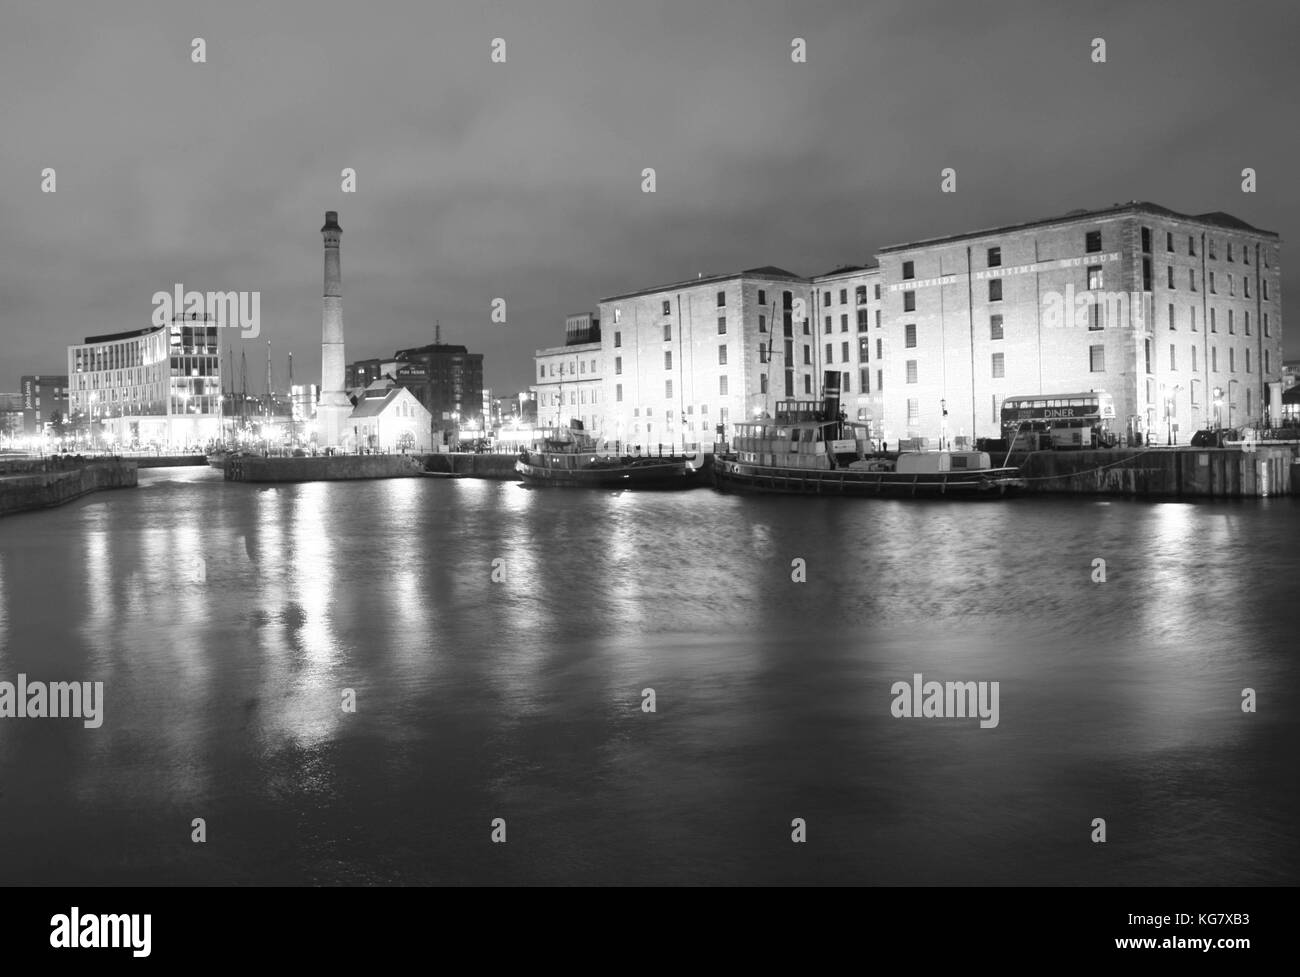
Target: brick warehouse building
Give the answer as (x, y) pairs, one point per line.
(447, 379)
(569, 386)
(847, 306)
(1178, 317)
(568, 383)
(680, 360)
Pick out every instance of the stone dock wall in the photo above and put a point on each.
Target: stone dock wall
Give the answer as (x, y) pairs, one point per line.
(1182, 473)
(321, 468)
(41, 484)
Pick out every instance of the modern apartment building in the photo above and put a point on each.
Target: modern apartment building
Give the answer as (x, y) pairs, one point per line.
(157, 385)
(43, 396)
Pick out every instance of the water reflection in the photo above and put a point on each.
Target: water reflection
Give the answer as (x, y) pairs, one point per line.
(4, 620)
(522, 696)
(302, 679)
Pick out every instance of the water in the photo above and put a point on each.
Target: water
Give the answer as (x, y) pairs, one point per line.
(521, 699)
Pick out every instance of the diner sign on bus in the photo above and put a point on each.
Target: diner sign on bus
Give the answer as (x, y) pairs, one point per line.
(1052, 412)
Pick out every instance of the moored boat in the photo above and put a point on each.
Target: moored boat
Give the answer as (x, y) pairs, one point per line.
(218, 456)
(809, 448)
(570, 459)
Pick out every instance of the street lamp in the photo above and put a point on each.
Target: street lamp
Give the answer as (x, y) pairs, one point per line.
(1171, 394)
(1218, 407)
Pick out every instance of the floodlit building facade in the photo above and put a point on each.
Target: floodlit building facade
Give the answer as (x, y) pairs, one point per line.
(682, 361)
(569, 386)
(160, 385)
(847, 309)
(1177, 317)
(389, 418)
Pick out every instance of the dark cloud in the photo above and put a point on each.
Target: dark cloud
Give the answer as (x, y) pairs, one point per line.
(522, 180)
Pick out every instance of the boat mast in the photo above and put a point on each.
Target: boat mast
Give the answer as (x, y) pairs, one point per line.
(270, 395)
(226, 432)
(292, 429)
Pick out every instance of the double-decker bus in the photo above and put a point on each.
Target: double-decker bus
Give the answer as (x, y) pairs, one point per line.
(1081, 420)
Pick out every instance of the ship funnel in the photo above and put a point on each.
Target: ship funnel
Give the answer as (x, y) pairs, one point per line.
(831, 393)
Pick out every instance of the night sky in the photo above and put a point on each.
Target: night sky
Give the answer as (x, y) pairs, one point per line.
(523, 180)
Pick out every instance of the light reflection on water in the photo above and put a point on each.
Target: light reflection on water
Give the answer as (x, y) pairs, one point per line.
(521, 697)
(4, 615)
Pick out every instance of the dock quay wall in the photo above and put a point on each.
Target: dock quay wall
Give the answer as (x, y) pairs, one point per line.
(42, 484)
(1217, 473)
(497, 466)
(500, 466)
(321, 468)
(170, 461)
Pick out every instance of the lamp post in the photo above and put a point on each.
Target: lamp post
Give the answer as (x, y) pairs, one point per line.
(1171, 395)
(1218, 407)
(185, 409)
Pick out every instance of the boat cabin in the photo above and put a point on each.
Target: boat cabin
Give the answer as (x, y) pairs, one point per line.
(801, 435)
(934, 462)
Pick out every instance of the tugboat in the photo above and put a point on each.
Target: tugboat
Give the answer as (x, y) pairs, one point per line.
(809, 448)
(569, 459)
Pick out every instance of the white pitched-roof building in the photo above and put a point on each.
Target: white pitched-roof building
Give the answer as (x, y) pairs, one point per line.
(390, 418)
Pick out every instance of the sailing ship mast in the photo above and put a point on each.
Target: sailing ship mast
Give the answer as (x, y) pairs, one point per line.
(293, 432)
(270, 395)
(226, 434)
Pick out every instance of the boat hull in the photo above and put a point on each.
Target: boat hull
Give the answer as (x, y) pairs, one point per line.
(994, 483)
(660, 476)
